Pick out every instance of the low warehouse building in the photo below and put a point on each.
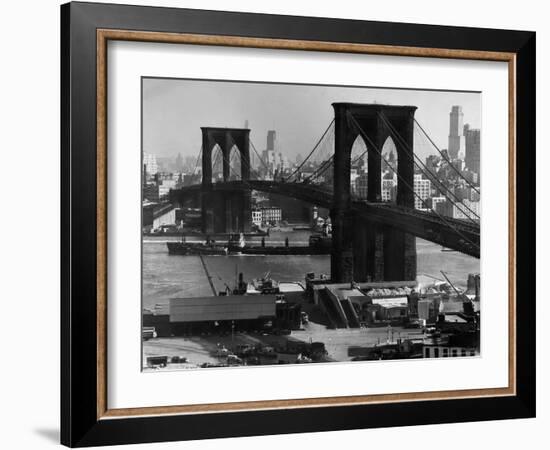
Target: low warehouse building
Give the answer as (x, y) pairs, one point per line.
(224, 312)
(391, 308)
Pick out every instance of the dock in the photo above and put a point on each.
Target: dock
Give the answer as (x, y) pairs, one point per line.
(208, 275)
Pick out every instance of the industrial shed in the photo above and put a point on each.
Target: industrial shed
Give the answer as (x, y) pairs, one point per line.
(241, 312)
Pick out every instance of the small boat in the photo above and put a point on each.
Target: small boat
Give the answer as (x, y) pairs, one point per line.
(266, 285)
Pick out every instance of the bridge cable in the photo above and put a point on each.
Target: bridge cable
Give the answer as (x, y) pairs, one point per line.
(369, 142)
(251, 187)
(445, 158)
(258, 155)
(311, 152)
(325, 165)
(440, 183)
(321, 170)
(402, 141)
(198, 160)
(407, 185)
(427, 173)
(251, 170)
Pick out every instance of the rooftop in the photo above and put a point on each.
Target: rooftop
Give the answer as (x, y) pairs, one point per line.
(393, 302)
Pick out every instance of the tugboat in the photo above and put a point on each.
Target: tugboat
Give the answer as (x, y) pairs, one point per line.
(266, 285)
(236, 243)
(258, 286)
(196, 248)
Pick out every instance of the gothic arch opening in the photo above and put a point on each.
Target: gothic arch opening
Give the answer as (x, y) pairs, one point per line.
(359, 168)
(217, 164)
(389, 177)
(234, 159)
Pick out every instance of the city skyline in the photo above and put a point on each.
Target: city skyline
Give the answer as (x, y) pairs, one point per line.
(174, 110)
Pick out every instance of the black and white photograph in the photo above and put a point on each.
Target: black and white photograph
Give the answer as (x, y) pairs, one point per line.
(307, 224)
(260, 225)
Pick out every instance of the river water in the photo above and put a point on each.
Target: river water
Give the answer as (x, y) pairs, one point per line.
(166, 276)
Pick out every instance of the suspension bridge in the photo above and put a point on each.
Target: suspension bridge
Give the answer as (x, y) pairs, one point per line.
(372, 239)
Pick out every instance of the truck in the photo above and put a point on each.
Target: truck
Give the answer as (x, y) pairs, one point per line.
(157, 361)
(148, 333)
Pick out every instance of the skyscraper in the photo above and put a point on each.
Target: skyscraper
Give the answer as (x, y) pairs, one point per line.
(472, 137)
(271, 138)
(456, 136)
(150, 163)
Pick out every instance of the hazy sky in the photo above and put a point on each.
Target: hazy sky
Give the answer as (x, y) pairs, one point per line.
(174, 111)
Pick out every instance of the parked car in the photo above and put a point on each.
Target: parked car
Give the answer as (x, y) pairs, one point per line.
(178, 359)
(234, 360)
(253, 361)
(160, 361)
(413, 324)
(282, 332)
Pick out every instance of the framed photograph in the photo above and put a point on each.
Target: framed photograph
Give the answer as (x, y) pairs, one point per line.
(276, 224)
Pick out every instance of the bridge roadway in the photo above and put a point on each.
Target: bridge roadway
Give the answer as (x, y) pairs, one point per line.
(455, 234)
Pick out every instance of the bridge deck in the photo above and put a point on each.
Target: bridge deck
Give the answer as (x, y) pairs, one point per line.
(452, 233)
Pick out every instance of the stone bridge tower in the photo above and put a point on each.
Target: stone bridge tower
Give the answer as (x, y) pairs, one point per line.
(361, 249)
(225, 211)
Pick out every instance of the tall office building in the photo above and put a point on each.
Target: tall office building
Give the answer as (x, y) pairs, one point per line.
(150, 163)
(272, 156)
(422, 191)
(456, 136)
(472, 137)
(271, 139)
